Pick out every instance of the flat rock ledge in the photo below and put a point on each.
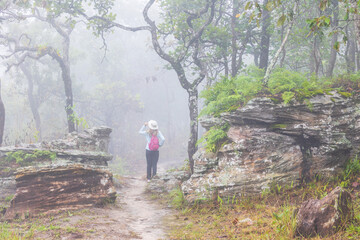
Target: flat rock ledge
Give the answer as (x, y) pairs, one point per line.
(58, 188)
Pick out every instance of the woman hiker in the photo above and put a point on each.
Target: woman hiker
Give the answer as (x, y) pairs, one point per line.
(154, 140)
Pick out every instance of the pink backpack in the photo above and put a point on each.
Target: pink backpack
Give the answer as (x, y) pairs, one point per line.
(154, 143)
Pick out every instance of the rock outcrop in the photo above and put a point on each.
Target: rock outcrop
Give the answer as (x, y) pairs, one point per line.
(326, 216)
(56, 188)
(271, 143)
(166, 182)
(87, 149)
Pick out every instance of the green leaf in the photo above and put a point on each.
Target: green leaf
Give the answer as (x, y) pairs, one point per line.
(337, 46)
(258, 6)
(269, 6)
(248, 5)
(346, 15)
(281, 20)
(323, 5)
(327, 20)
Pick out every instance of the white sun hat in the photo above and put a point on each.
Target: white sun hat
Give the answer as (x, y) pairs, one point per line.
(153, 125)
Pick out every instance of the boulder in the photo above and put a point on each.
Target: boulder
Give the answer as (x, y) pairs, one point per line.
(93, 139)
(89, 147)
(276, 144)
(56, 188)
(166, 182)
(326, 216)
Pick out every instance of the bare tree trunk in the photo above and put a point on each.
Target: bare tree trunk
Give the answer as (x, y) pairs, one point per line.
(357, 57)
(226, 66)
(2, 117)
(312, 58)
(277, 54)
(234, 48)
(317, 56)
(282, 60)
(69, 105)
(265, 38)
(193, 108)
(64, 62)
(334, 24)
(33, 103)
(256, 58)
(356, 20)
(350, 52)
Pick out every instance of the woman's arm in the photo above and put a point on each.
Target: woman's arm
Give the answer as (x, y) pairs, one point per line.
(161, 138)
(142, 131)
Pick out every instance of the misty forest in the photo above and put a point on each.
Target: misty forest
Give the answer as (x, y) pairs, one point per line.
(179, 119)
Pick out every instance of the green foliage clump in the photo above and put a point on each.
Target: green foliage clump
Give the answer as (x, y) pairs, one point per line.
(228, 94)
(352, 167)
(345, 94)
(8, 198)
(350, 173)
(24, 159)
(284, 221)
(278, 126)
(283, 86)
(296, 86)
(7, 233)
(185, 167)
(347, 82)
(215, 137)
(177, 198)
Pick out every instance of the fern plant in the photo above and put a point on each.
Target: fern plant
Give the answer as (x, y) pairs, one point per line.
(228, 94)
(214, 138)
(284, 86)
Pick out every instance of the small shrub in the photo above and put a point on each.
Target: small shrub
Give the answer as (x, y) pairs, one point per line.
(8, 198)
(118, 165)
(177, 198)
(6, 233)
(43, 154)
(24, 159)
(285, 222)
(228, 94)
(215, 137)
(352, 167)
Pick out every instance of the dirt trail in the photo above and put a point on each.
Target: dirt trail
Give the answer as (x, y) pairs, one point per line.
(145, 215)
(133, 216)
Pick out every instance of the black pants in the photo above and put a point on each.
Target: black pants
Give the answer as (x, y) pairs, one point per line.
(152, 158)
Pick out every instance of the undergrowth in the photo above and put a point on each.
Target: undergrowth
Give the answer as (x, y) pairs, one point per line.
(269, 216)
(283, 86)
(24, 159)
(215, 137)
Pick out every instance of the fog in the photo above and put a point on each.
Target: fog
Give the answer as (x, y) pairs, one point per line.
(84, 67)
(121, 86)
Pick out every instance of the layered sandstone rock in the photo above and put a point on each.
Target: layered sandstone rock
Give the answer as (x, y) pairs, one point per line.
(271, 143)
(87, 148)
(55, 188)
